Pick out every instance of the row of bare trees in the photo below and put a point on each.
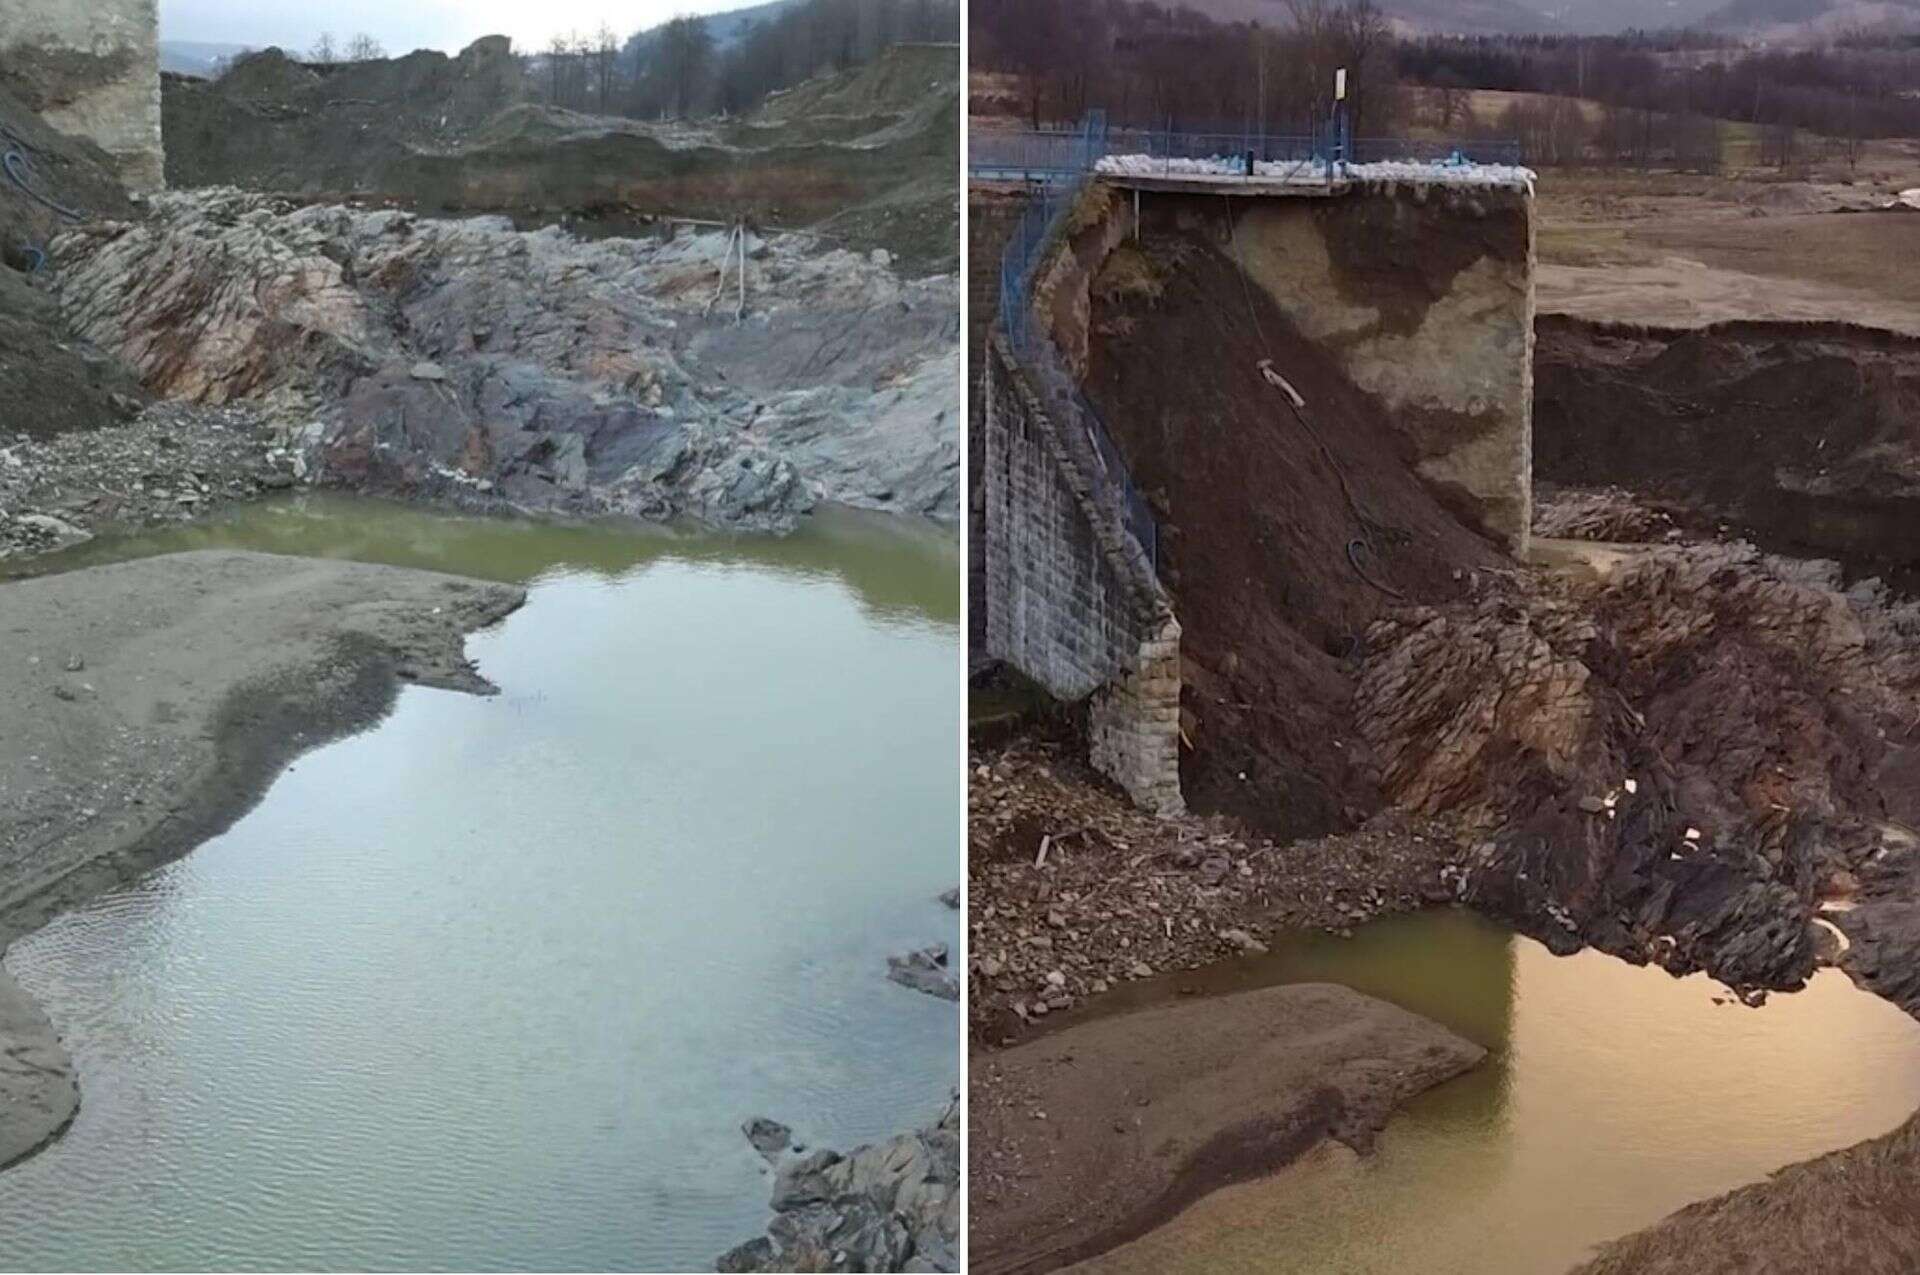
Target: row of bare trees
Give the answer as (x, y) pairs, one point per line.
(361, 47)
(1151, 65)
(679, 70)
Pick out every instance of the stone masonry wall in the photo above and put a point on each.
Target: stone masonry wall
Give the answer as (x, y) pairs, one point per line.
(992, 215)
(1071, 601)
(91, 68)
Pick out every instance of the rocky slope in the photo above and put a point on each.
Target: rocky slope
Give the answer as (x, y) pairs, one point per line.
(469, 361)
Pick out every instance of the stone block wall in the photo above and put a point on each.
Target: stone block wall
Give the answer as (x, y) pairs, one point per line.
(1070, 600)
(91, 68)
(992, 215)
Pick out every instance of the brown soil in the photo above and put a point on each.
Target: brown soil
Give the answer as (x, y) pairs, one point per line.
(1259, 508)
(1800, 435)
(1853, 1211)
(51, 383)
(1092, 1136)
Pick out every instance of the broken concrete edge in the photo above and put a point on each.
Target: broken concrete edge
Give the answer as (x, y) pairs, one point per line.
(1132, 680)
(262, 726)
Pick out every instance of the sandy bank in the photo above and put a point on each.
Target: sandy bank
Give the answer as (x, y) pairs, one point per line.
(145, 706)
(1110, 1128)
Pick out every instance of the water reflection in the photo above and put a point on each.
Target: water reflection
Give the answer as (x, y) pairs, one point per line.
(492, 985)
(900, 569)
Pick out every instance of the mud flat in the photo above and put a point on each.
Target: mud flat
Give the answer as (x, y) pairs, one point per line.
(149, 704)
(1118, 1125)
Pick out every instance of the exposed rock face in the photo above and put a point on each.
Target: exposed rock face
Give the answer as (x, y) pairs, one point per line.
(561, 375)
(891, 1206)
(1676, 757)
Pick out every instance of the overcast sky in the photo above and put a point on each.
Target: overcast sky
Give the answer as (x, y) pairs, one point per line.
(404, 25)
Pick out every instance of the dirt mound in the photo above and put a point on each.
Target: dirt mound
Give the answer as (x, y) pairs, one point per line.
(1284, 534)
(276, 124)
(872, 152)
(899, 82)
(1799, 435)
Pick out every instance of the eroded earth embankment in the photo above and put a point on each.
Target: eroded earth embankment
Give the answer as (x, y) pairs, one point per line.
(1676, 752)
(469, 361)
(1798, 435)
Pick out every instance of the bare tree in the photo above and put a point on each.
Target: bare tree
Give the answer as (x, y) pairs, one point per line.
(682, 61)
(364, 48)
(606, 62)
(324, 50)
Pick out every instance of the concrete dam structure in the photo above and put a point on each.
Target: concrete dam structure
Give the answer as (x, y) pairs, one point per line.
(1408, 302)
(91, 69)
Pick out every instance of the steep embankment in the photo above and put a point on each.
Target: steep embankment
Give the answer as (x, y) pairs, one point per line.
(469, 361)
(1801, 435)
(1285, 533)
(873, 151)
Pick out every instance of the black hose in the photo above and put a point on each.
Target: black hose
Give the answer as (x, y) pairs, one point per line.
(1353, 559)
(14, 162)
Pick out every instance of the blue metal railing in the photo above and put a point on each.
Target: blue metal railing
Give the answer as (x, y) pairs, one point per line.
(1057, 184)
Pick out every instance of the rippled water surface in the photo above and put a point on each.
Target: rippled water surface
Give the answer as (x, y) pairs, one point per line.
(494, 984)
(1612, 1096)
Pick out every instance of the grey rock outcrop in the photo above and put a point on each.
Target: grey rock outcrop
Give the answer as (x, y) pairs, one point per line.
(889, 1206)
(925, 970)
(471, 361)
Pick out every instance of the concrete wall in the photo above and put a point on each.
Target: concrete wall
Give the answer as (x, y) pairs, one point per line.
(1426, 297)
(91, 68)
(1070, 600)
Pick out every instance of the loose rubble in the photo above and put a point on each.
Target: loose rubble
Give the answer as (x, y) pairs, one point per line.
(174, 463)
(889, 1206)
(1074, 892)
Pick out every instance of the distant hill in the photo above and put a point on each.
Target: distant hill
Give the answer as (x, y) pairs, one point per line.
(1787, 19)
(1515, 17)
(195, 57)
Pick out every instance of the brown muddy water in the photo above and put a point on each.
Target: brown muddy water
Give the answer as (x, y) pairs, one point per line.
(492, 985)
(1612, 1096)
